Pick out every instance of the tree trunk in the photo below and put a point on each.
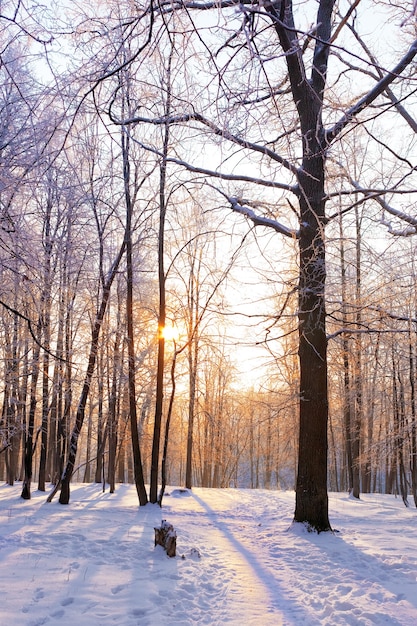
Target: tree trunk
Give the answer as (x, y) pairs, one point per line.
(79, 418)
(191, 411)
(101, 427)
(28, 456)
(167, 427)
(311, 506)
(162, 301)
(413, 430)
(113, 413)
(46, 303)
(311, 487)
(137, 459)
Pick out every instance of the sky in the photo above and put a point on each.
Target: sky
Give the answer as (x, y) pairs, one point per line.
(240, 560)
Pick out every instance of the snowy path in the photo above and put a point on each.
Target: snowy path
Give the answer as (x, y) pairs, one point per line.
(366, 575)
(93, 562)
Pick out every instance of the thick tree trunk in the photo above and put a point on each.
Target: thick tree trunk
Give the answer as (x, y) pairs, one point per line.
(311, 505)
(311, 487)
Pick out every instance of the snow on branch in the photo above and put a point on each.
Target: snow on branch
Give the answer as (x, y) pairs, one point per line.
(216, 174)
(259, 220)
(382, 331)
(197, 117)
(376, 195)
(411, 229)
(407, 231)
(366, 331)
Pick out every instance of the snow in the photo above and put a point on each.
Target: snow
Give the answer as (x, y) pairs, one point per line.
(239, 560)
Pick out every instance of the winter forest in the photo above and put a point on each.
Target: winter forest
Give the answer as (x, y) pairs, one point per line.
(207, 247)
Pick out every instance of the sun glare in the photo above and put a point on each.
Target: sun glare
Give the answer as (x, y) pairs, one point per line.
(169, 333)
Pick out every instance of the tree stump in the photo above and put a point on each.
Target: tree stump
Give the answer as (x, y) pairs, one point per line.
(166, 537)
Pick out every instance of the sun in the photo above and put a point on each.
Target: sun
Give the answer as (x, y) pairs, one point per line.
(169, 333)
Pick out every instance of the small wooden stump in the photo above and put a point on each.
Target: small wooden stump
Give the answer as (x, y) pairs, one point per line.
(166, 537)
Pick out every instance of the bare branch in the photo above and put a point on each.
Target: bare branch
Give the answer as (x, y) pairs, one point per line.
(405, 217)
(29, 324)
(222, 175)
(259, 220)
(220, 132)
(373, 94)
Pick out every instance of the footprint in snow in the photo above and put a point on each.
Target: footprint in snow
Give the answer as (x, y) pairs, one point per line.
(67, 601)
(39, 594)
(138, 612)
(39, 622)
(117, 589)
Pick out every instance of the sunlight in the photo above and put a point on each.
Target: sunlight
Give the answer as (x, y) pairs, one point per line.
(169, 333)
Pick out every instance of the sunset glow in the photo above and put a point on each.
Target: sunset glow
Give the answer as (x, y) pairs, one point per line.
(169, 333)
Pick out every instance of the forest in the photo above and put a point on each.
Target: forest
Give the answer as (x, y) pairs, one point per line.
(207, 247)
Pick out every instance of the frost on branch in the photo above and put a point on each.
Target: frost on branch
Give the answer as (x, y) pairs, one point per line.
(407, 231)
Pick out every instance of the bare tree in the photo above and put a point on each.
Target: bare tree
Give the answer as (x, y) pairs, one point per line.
(306, 56)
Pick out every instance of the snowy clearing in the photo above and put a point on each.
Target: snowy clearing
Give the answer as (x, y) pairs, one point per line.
(238, 560)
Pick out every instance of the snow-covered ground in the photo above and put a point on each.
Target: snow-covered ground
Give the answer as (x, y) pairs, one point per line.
(238, 561)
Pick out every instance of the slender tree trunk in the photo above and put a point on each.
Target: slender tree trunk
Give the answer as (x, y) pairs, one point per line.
(46, 328)
(358, 415)
(101, 425)
(347, 398)
(167, 427)
(79, 418)
(400, 440)
(11, 405)
(192, 364)
(193, 353)
(369, 469)
(87, 470)
(28, 457)
(23, 393)
(413, 430)
(56, 404)
(162, 299)
(113, 417)
(137, 459)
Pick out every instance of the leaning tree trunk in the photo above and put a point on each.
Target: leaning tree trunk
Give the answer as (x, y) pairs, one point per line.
(79, 418)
